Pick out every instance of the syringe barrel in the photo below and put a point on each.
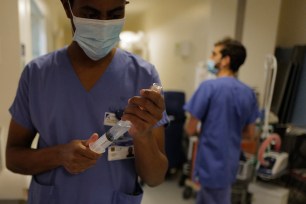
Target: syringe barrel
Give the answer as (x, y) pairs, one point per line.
(110, 136)
(100, 145)
(119, 129)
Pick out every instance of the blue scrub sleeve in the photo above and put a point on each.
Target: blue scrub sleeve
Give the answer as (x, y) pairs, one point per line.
(199, 103)
(20, 109)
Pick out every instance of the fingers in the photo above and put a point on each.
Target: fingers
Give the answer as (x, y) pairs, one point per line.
(149, 106)
(87, 153)
(79, 164)
(140, 113)
(77, 157)
(94, 137)
(154, 97)
(144, 111)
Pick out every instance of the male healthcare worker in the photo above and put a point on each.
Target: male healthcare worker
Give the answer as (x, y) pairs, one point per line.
(77, 93)
(227, 109)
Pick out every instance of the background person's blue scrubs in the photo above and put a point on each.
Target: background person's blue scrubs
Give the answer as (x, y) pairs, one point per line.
(52, 101)
(224, 106)
(214, 196)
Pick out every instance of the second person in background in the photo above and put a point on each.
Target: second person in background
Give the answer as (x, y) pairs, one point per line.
(227, 110)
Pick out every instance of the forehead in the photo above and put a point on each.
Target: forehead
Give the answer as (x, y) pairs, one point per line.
(99, 4)
(218, 48)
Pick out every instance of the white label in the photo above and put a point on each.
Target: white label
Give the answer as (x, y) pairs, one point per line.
(120, 152)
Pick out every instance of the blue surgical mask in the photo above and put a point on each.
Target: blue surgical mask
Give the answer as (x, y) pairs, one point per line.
(97, 37)
(211, 66)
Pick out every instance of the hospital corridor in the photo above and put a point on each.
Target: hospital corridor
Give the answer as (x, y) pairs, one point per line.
(152, 101)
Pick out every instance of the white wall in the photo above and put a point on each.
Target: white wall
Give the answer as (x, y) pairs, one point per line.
(59, 28)
(25, 37)
(131, 19)
(11, 185)
(292, 24)
(15, 16)
(259, 37)
(222, 21)
(168, 30)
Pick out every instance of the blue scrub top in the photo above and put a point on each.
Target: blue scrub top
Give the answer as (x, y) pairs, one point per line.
(52, 101)
(224, 106)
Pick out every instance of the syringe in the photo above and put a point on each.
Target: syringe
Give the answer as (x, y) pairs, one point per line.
(110, 136)
(116, 131)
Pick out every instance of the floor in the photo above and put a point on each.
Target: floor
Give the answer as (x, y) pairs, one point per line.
(167, 193)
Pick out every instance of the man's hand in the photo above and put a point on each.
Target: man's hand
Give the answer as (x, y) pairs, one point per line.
(144, 111)
(77, 157)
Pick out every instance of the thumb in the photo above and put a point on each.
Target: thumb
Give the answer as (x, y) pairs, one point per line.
(94, 137)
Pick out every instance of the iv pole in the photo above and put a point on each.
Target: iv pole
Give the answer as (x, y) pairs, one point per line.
(270, 77)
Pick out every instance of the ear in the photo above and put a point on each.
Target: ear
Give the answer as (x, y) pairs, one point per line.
(67, 9)
(226, 61)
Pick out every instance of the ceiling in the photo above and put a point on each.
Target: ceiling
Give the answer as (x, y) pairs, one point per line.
(139, 6)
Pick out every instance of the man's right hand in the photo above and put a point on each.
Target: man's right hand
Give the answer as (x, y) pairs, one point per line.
(77, 157)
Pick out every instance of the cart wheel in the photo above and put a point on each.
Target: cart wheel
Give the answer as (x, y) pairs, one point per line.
(182, 180)
(187, 193)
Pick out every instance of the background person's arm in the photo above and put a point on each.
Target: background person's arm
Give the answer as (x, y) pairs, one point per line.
(249, 132)
(191, 126)
(249, 139)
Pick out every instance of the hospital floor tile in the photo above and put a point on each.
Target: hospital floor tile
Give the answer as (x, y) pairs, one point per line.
(167, 193)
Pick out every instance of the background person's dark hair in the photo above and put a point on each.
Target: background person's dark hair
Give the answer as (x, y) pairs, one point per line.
(235, 50)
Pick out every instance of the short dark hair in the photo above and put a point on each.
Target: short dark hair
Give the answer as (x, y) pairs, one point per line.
(235, 50)
(68, 1)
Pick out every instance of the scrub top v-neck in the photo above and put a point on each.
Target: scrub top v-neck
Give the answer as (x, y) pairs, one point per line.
(100, 78)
